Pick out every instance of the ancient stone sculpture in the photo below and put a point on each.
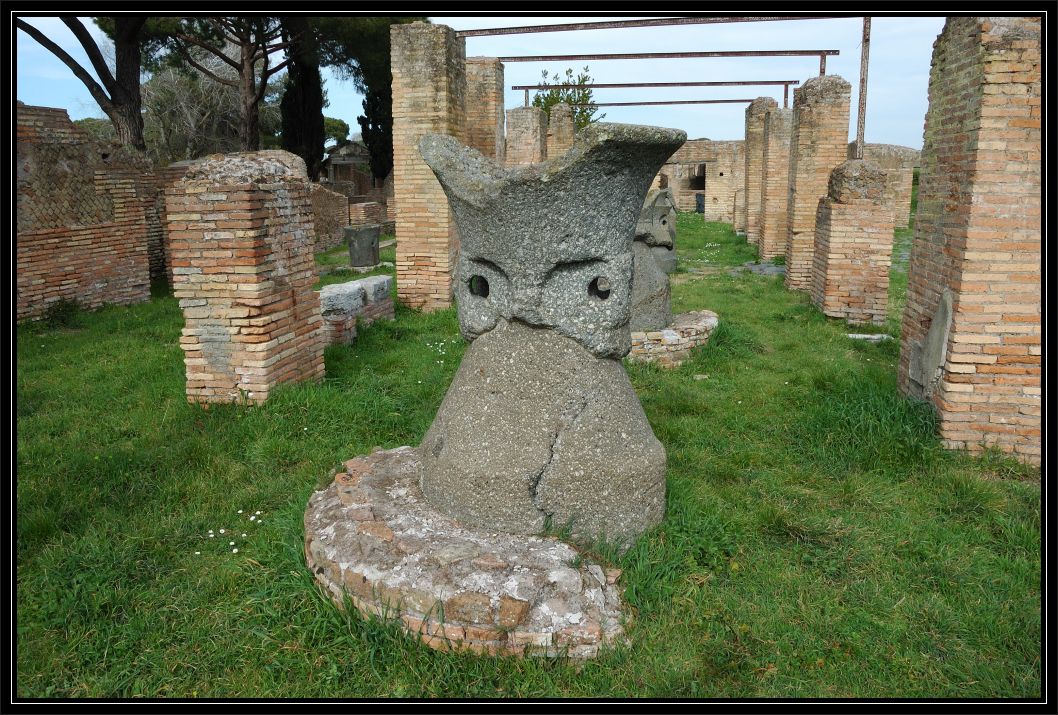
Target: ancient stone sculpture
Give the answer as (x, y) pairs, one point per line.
(653, 248)
(541, 424)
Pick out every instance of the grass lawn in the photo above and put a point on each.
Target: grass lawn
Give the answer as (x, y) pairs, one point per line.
(817, 540)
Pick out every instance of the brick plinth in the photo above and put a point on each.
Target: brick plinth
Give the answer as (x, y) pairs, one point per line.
(775, 184)
(429, 91)
(671, 346)
(854, 245)
(560, 130)
(526, 135)
(371, 537)
(87, 223)
(365, 213)
(818, 143)
(484, 102)
(975, 259)
(755, 114)
(241, 239)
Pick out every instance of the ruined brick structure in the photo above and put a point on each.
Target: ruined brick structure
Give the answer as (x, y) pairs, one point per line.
(241, 237)
(560, 130)
(711, 168)
(775, 184)
(818, 143)
(484, 102)
(526, 136)
(899, 164)
(853, 245)
(754, 161)
(346, 306)
(429, 92)
(330, 216)
(82, 217)
(971, 333)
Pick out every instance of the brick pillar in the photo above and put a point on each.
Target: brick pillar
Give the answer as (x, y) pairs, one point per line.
(854, 245)
(775, 184)
(241, 239)
(560, 130)
(526, 135)
(817, 145)
(971, 340)
(484, 122)
(429, 89)
(755, 113)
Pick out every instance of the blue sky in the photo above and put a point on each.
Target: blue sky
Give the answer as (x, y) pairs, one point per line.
(898, 77)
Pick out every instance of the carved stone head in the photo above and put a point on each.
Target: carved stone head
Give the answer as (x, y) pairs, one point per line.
(550, 244)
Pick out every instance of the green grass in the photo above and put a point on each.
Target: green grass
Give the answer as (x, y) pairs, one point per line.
(333, 265)
(817, 541)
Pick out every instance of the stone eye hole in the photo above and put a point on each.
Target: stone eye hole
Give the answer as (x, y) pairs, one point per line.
(478, 286)
(599, 287)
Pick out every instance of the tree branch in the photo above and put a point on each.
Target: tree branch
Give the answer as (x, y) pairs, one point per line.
(205, 46)
(92, 50)
(215, 77)
(97, 92)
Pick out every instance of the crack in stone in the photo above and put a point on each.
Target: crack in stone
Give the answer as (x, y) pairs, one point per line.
(565, 422)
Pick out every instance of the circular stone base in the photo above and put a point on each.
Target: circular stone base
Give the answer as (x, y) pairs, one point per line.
(372, 536)
(672, 345)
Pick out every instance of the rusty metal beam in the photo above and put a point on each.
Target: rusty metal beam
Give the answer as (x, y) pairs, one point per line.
(745, 83)
(680, 101)
(861, 116)
(656, 22)
(822, 54)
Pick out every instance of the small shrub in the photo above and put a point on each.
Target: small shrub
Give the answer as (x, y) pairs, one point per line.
(63, 313)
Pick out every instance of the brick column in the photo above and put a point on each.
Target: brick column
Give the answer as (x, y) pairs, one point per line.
(560, 131)
(971, 340)
(429, 87)
(817, 145)
(775, 184)
(241, 239)
(526, 135)
(755, 113)
(484, 122)
(854, 245)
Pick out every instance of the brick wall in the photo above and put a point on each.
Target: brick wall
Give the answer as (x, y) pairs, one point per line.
(429, 86)
(977, 239)
(775, 184)
(818, 143)
(82, 217)
(367, 212)
(330, 216)
(899, 163)
(241, 238)
(754, 163)
(526, 136)
(854, 245)
(560, 130)
(711, 168)
(484, 103)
